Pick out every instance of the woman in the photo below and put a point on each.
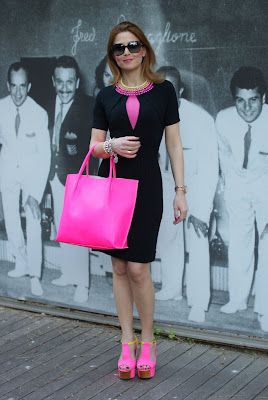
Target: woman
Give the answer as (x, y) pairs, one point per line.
(103, 75)
(136, 109)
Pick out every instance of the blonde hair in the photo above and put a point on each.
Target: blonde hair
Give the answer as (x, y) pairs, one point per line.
(149, 60)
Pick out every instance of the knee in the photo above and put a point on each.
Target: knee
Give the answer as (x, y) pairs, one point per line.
(119, 267)
(138, 274)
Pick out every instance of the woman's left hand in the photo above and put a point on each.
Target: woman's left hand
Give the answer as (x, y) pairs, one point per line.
(180, 207)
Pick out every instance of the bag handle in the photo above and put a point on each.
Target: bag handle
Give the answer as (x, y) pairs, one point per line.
(86, 163)
(112, 167)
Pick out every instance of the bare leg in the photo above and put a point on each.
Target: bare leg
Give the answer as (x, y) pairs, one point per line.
(143, 293)
(124, 302)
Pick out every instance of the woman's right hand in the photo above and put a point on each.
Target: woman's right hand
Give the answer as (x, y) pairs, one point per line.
(126, 146)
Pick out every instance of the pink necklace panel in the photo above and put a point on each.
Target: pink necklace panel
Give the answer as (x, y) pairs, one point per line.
(136, 91)
(132, 103)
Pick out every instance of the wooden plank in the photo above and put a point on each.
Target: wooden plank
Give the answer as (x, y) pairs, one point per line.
(20, 329)
(22, 339)
(4, 313)
(87, 368)
(33, 339)
(47, 366)
(187, 390)
(74, 380)
(14, 362)
(11, 312)
(108, 367)
(263, 395)
(33, 334)
(62, 366)
(10, 322)
(45, 353)
(226, 392)
(221, 377)
(14, 368)
(253, 387)
(4, 309)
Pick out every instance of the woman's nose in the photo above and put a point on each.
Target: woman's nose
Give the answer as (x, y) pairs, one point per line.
(126, 51)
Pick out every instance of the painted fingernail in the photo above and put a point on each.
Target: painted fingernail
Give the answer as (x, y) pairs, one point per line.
(176, 218)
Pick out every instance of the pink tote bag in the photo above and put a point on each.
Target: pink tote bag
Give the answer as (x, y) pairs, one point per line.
(97, 212)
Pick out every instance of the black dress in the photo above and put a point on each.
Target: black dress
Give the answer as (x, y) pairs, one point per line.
(158, 109)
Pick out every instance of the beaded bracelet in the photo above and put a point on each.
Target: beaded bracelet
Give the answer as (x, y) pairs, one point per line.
(183, 188)
(104, 147)
(108, 149)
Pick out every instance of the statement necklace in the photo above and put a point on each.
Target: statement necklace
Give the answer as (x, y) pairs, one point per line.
(121, 88)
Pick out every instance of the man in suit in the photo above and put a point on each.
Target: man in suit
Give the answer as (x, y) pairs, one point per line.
(70, 122)
(199, 142)
(24, 166)
(243, 151)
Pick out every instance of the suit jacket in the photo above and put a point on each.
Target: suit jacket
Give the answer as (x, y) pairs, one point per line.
(24, 158)
(74, 139)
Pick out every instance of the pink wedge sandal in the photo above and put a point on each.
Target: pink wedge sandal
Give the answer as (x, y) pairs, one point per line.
(129, 372)
(145, 359)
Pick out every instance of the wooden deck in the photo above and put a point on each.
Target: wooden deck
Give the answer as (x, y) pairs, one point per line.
(53, 358)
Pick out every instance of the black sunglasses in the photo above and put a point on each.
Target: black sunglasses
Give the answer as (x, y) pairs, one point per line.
(133, 47)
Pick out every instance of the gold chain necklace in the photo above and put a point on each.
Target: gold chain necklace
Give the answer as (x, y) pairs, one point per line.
(132, 88)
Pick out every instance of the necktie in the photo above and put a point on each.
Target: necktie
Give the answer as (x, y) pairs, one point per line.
(247, 142)
(57, 127)
(17, 121)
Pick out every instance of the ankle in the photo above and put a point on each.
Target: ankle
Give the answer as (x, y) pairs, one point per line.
(128, 337)
(147, 337)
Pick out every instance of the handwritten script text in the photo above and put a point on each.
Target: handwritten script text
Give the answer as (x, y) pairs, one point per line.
(81, 36)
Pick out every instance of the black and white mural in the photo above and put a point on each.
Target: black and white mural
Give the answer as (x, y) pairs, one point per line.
(212, 270)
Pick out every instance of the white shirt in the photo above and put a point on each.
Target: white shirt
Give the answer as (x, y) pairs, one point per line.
(231, 129)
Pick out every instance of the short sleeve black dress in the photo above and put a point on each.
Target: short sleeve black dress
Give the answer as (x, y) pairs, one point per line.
(158, 109)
